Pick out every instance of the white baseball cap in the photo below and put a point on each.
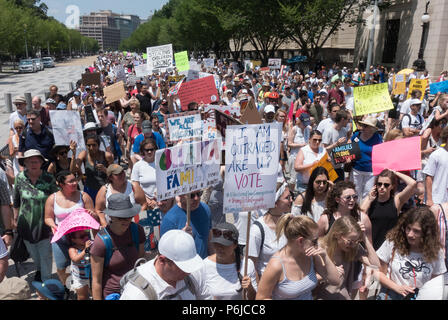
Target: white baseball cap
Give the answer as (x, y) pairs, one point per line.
(415, 101)
(179, 247)
(269, 108)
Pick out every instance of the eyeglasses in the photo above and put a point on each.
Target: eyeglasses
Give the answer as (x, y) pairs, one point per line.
(321, 182)
(380, 184)
(149, 150)
(193, 195)
(226, 234)
(350, 197)
(18, 128)
(317, 140)
(92, 145)
(350, 242)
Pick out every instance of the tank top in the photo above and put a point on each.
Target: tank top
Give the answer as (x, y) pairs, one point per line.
(300, 137)
(59, 168)
(61, 213)
(297, 289)
(95, 179)
(129, 192)
(81, 269)
(383, 216)
(309, 157)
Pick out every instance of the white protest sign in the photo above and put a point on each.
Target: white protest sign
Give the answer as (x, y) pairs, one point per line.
(66, 127)
(190, 74)
(120, 73)
(209, 63)
(187, 167)
(160, 57)
(142, 70)
(252, 161)
(274, 64)
(183, 126)
(195, 66)
(235, 67)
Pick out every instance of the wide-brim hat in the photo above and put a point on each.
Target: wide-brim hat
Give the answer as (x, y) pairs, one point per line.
(57, 148)
(120, 206)
(52, 289)
(370, 121)
(31, 153)
(221, 240)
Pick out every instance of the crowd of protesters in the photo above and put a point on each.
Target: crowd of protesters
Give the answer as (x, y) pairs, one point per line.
(324, 238)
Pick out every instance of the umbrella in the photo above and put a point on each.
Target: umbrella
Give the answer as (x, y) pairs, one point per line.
(78, 219)
(406, 71)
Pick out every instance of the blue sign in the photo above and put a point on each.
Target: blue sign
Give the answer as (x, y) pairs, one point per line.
(297, 59)
(438, 87)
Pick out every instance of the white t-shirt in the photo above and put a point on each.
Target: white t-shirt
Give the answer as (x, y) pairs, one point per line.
(13, 117)
(411, 270)
(433, 289)
(437, 167)
(411, 121)
(222, 279)
(270, 245)
(145, 174)
(240, 222)
(324, 124)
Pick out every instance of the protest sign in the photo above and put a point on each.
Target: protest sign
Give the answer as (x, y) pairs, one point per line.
(274, 64)
(252, 153)
(183, 126)
(145, 56)
(427, 122)
(372, 98)
(142, 70)
(417, 84)
(399, 84)
(132, 79)
(250, 114)
(200, 91)
(78, 219)
(209, 63)
(120, 73)
(324, 162)
(223, 121)
(209, 120)
(172, 80)
(248, 65)
(160, 57)
(89, 79)
(346, 151)
(194, 65)
(235, 67)
(187, 167)
(181, 59)
(114, 92)
(437, 87)
(67, 127)
(215, 77)
(399, 155)
(256, 63)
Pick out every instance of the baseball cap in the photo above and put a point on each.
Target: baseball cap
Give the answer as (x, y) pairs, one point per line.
(146, 126)
(269, 108)
(114, 169)
(77, 93)
(305, 118)
(90, 126)
(61, 106)
(179, 247)
(98, 100)
(50, 101)
(415, 101)
(225, 233)
(229, 91)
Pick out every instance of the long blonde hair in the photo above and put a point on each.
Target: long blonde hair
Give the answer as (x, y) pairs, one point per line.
(341, 227)
(295, 226)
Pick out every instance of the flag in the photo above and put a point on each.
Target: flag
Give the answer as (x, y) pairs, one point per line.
(174, 90)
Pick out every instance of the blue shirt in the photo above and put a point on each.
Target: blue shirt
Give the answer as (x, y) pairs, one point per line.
(44, 141)
(156, 136)
(200, 222)
(365, 162)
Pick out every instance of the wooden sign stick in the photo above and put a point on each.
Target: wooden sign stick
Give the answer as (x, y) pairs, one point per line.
(246, 255)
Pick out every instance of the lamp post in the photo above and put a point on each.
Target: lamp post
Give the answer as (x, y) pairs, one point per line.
(26, 43)
(420, 64)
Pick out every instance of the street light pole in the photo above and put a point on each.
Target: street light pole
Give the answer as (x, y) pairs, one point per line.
(26, 43)
(371, 40)
(420, 64)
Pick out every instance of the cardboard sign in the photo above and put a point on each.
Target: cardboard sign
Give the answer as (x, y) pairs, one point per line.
(187, 167)
(114, 92)
(160, 57)
(256, 63)
(274, 64)
(89, 79)
(346, 151)
(209, 123)
(417, 84)
(372, 99)
(200, 91)
(324, 162)
(223, 121)
(250, 114)
(78, 219)
(67, 127)
(252, 163)
(437, 87)
(215, 77)
(183, 126)
(399, 84)
(182, 63)
(194, 65)
(399, 155)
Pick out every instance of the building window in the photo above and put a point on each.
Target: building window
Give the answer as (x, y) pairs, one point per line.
(391, 40)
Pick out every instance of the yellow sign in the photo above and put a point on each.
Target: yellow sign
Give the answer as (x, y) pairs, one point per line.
(256, 63)
(372, 99)
(326, 163)
(417, 84)
(399, 86)
(182, 63)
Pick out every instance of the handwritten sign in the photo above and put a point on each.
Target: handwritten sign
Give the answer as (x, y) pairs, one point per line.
(252, 163)
(160, 57)
(436, 87)
(274, 64)
(209, 63)
(324, 162)
(399, 84)
(183, 126)
(142, 70)
(182, 63)
(187, 167)
(120, 73)
(210, 120)
(89, 79)
(67, 127)
(114, 92)
(398, 155)
(200, 90)
(417, 84)
(346, 151)
(78, 219)
(372, 99)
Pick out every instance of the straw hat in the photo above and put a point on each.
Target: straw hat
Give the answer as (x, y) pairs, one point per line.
(370, 121)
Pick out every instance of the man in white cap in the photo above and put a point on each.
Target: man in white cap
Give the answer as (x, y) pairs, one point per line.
(269, 113)
(412, 122)
(175, 274)
(20, 113)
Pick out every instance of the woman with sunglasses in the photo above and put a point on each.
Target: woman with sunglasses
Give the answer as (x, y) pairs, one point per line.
(383, 205)
(224, 269)
(13, 143)
(307, 157)
(411, 255)
(291, 273)
(58, 207)
(312, 201)
(62, 162)
(343, 246)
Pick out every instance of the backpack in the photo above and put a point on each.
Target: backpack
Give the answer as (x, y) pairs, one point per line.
(419, 117)
(104, 235)
(258, 224)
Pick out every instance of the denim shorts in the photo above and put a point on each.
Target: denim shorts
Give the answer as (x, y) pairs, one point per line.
(60, 253)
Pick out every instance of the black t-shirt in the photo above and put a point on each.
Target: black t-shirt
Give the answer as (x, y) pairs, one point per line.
(145, 103)
(383, 216)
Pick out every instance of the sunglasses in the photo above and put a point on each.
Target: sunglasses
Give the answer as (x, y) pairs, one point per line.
(380, 184)
(92, 145)
(317, 140)
(348, 198)
(321, 182)
(350, 242)
(193, 195)
(226, 234)
(149, 150)
(123, 219)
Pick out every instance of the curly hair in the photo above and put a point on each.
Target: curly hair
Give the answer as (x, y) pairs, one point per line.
(430, 243)
(336, 192)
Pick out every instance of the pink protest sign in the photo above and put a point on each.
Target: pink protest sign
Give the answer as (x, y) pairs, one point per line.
(200, 90)
(78, 219)
(398, 155)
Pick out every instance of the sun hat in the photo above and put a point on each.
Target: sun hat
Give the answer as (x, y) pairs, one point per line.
(31, 153)
(146, 126)
(14, 288)
(269, 108)
(220, 238)
(90, 126)
(51, 289)
(19, 99)
(370, 121)
(114, 169)
(120, 206)
(179, 247)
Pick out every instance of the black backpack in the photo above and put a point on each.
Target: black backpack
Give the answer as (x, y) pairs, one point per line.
(419, 117)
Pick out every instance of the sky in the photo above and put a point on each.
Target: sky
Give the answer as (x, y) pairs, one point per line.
(141, 8)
